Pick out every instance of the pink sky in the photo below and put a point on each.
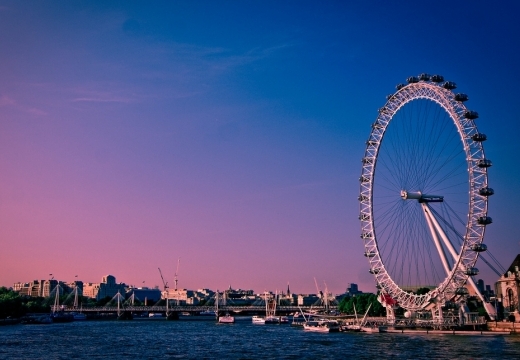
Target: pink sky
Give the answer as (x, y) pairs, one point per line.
(229, 136)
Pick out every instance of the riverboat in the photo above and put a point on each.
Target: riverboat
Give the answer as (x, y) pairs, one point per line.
(226, 319)
(322, 326)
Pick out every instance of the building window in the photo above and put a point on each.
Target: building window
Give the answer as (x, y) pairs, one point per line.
(510, 300)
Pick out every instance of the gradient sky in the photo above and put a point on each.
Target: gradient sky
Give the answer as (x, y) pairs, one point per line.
(226, 133)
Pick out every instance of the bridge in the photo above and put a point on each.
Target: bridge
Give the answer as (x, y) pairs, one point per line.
(192, 309)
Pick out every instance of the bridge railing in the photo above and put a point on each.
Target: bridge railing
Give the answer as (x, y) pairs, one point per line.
(192, 308)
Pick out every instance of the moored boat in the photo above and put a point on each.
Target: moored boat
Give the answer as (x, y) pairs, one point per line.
(322, 326)
(226, 319)
(258, 320)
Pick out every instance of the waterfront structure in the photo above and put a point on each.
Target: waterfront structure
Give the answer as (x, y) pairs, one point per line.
(508, 290)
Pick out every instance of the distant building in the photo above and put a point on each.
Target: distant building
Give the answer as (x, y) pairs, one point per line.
(107, 288)
(352, 289)
(308, 299)
(42, 288)
(145, 295)
(181, 296)
(508, 290)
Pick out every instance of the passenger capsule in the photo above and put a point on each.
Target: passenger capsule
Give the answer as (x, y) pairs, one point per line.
(366, 235)
(471, 271)
(462, 291)
(364, 217)
(479, 247)
(367, 160)
(374, 271)
(461, 97)
(449, 85)
(370, 254)
(364, 179)
(389, 96)
(412, 79)
(400, 86)
(378, 286)
(468, 114)
(487, 191)
(484, 220)
(362, 198)
(479, 137)
(437, 78)
(424, 77)
(484, 163)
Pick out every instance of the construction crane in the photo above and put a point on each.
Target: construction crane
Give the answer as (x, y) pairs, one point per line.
(317, 288)
(176, 272)
(165, 283)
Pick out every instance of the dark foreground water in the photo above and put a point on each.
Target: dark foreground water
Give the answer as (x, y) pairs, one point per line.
(161, 339)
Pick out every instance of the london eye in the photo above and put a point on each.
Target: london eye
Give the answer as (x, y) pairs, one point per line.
(424, 194)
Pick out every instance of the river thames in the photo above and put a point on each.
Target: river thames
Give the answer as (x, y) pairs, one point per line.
(161, 339)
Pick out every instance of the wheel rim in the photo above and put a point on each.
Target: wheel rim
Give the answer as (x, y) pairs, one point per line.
(399, 157)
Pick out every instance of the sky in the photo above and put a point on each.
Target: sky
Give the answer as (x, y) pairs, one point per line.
(226, 136)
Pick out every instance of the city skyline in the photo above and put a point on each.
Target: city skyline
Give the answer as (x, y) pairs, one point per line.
(226, 134)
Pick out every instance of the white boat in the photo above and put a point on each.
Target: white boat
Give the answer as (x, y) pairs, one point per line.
(226, 319)
(258, 320)
(369, 329)
(322, 326)
(155, 314)
(360, 326)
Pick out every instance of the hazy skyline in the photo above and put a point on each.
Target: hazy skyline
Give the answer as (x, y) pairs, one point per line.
(226, 133)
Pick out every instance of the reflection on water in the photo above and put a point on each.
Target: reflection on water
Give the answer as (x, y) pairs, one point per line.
(159, 338)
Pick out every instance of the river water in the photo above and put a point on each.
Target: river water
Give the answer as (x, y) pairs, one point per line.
(161, 339)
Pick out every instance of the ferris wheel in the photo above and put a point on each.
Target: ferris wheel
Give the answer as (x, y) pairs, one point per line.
(424, 194)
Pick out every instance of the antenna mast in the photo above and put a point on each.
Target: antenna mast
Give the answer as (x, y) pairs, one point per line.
(176, 272)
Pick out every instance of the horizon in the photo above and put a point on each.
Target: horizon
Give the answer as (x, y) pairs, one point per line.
(229, 135)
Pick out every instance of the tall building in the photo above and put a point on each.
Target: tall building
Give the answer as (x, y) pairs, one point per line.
(352, 289)
(508, 290)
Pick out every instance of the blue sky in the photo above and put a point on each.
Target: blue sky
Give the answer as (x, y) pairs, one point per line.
(226, 133)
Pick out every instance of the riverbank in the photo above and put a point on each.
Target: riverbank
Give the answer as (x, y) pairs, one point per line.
(501, 326)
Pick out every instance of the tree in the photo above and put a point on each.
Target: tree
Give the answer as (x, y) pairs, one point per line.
(361, 302)
(10, 304)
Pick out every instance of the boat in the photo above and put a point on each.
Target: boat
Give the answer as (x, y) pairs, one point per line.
(270, 313)
(369, 329)
(152, 314)
(226, 319)
(258, 320)
(209, 313)
(321, 325)
(360, 326)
